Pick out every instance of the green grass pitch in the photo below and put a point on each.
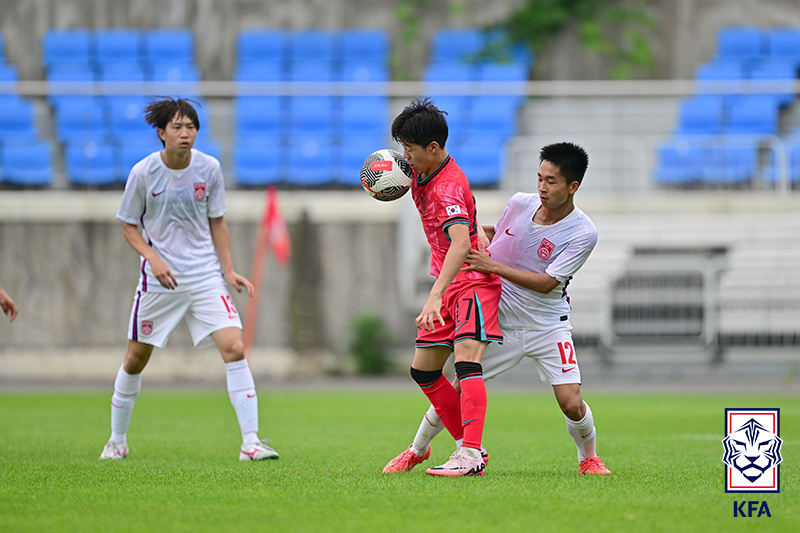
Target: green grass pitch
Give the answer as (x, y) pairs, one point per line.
(183, 472)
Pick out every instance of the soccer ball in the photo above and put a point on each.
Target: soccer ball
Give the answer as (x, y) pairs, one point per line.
(386, 175)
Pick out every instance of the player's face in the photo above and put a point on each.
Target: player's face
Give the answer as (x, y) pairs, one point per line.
(179, 135)
(553, 188)
(423, 159)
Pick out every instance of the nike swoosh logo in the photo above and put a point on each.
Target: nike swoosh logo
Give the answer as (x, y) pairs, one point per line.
(509, 233)
(251, 395)
(117, 406)
(584, 436)
(565, 370)
(157, 193)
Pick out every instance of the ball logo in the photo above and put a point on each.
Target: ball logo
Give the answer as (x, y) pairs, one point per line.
(381, 165)
(147, 327)
(200, 190)
(546, 249)
(752, 450)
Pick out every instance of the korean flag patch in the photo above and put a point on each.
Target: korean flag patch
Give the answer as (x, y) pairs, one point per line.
(453, 210)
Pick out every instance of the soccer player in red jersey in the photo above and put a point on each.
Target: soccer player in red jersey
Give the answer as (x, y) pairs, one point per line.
(460, 315)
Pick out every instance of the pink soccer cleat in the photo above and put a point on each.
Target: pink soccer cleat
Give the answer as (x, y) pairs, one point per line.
(459, 464)
(405, 461)
(593, 465)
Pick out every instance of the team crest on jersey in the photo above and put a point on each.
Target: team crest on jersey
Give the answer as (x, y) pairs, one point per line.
(546, 249)
(200, 190)
(147, 327)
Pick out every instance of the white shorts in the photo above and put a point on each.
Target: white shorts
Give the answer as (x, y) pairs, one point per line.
(156, 314)
(552, 351)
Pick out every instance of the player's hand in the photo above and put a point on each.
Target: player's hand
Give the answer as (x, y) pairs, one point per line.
(239, 282)
(8, 306)
(431, 312)
(163, 274)
(479, 260)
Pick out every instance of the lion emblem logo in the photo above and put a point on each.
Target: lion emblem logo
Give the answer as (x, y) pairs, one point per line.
(752, 450)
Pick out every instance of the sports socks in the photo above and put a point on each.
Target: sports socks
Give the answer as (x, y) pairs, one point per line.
(444, 398)
(126, 390)
(242, 392)
(428, 429)
(473, 404)
(583, 433)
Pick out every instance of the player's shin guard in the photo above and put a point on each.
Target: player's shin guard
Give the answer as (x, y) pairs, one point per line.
(242, 392)
(473, 402)
(443, 396)
(126, 390)
(583, 433)
(430, 426)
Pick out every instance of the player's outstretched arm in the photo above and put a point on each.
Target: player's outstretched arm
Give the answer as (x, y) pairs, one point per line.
(8, 305)
(481, 261)
(222, 242)
(159, 268)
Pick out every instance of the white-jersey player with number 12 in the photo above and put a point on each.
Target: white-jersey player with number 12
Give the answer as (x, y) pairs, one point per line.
(537, 245)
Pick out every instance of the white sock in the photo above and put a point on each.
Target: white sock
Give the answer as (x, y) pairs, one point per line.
(583, 433)
(126, 390)
(428, 429)
(242, 392)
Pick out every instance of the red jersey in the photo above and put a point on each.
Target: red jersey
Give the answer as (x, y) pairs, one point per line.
(444, 198)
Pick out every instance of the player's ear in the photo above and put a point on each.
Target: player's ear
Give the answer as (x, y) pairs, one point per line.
(573, 186)
(160, 133)
(433, 147)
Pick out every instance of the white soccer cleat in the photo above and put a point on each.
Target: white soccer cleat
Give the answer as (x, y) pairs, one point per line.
(459, 464)
(256, 451)
(114, 450)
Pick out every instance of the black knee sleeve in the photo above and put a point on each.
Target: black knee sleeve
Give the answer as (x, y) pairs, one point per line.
(425, 377)
(466, 368)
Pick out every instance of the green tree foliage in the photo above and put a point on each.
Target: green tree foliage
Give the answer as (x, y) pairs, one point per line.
(369, 344)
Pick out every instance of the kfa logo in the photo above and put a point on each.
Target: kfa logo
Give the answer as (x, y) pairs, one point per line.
(751, 509)
(752, 450)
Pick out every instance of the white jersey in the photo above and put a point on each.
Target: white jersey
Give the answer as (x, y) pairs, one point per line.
(559, 250)
(173, 207)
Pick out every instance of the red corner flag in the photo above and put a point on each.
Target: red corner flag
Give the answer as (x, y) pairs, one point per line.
(275, 230)
(272, 233)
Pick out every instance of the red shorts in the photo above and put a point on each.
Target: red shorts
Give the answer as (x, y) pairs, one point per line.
(473, 303)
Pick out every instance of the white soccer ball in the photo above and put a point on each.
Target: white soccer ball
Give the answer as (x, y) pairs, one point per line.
(386, 175)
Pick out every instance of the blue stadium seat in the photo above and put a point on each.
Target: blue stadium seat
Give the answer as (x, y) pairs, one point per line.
(456, 45)
(70, 46)
(680, 161)
(444, 72)
(311, 161)
(498, 48)
(28, 165)
(82, 119)
(494, 116)
(168, 46)
(319, 46)
(364, 45)
(752, 115)
(8, 73)
(351, 154)
(257, 46)
(784, 45)
(17, 123)
(740, 43)
(481, 161)
(364, 71)
(126, 117)
(258, 165)
(711, 77)
(118, 46)
(174, 72)
(730, 162)
(259, 115)
(92, 164)
(775, 71)
(260, 71)
(701, 114)
(364, 116)
(310, 115)
(516, 71)
(132, 152)
(310, 71)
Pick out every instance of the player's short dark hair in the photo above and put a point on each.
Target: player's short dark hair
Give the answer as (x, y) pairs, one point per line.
(159, 113)
(421, 122)
(571, 159)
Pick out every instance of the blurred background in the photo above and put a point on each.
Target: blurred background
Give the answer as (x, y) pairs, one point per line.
(688, 110)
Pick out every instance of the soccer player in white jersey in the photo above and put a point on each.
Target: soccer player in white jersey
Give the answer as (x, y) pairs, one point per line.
(178, 196)
(537, 245)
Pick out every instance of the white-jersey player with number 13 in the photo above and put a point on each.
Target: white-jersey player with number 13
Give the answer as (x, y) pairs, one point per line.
(537, 245)
(177, 196)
